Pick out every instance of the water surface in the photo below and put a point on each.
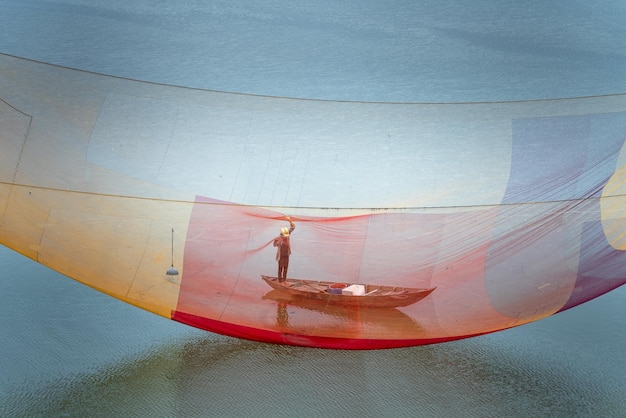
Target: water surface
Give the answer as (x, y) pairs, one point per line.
(69, 350)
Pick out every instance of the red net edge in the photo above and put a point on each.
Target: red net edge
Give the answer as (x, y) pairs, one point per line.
(274, 337)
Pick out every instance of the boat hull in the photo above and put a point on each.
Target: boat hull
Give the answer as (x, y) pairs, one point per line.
(375, 296)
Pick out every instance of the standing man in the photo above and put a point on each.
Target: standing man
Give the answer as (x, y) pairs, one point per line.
(284, 250)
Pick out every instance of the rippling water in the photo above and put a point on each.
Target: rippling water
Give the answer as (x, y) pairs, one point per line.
(427, 50)
(69, 350)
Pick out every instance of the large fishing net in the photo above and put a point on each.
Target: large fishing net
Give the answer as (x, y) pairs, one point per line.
(511, 212)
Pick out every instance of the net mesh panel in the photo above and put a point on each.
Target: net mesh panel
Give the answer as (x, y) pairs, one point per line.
(86, 186)
(542, 250)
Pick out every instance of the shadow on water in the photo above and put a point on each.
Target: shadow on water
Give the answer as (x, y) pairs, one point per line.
(211, 375)
(92, 360)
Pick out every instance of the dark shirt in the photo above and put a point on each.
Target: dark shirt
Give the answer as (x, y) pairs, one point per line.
(283, 244)
(284, 247)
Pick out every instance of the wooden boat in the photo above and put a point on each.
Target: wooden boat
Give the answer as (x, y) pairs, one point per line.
(374, 296)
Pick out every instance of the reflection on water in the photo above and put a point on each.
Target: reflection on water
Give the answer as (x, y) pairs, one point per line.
(307, 316)
(208, 375)
(69, 350)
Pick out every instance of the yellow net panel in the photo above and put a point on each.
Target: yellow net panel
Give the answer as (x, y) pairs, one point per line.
(414, 223)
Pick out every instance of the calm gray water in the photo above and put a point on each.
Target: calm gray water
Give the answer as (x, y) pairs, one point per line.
(68, 350)
(398, 50)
